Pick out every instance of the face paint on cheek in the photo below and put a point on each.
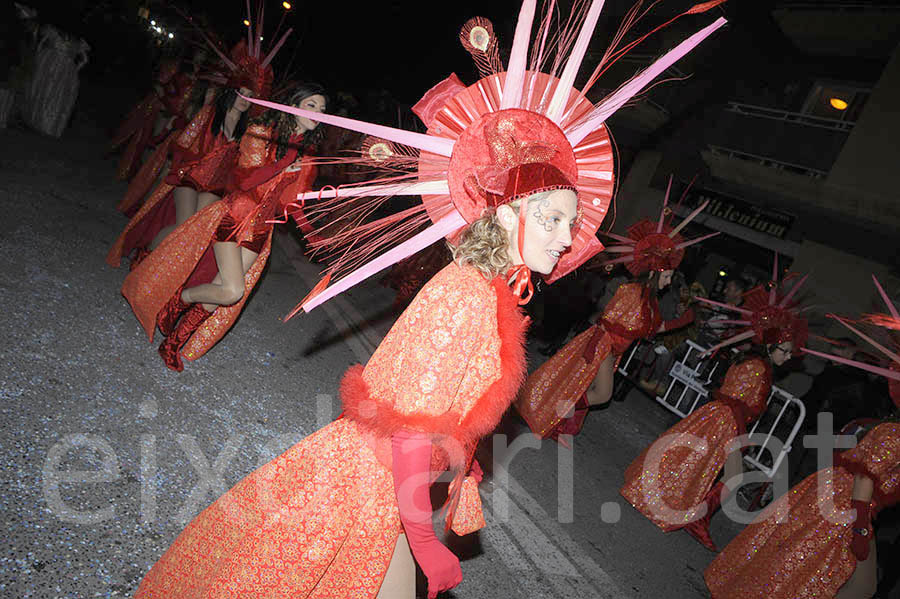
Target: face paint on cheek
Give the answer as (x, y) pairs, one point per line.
(538, 214)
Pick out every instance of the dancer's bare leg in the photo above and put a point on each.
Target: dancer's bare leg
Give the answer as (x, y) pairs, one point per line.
(734, 469)
(601, 388)
(228, 286)
(400, 580)
(863, 583)
(204, 199)
(185, 200)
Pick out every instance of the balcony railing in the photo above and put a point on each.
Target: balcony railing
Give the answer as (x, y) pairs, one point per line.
(769, 162)
(777, 114)
(778, 137)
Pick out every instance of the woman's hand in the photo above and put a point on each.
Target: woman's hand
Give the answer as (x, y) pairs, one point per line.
(294, 166)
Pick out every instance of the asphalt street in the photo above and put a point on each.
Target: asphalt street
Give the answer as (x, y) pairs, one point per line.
(106, 453)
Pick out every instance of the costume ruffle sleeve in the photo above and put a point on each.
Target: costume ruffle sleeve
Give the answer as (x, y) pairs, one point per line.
(878, 457)
(746, 390)
(632, 313)
(257, 163)
(449, 367)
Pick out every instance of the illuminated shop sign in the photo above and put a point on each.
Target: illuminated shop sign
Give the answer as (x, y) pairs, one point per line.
(764, 220)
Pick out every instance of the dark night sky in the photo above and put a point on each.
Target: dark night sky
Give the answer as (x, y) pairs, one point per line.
(405, 46)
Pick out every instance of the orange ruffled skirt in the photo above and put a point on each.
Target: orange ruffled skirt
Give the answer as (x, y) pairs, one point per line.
(551, 392)
(319, 521)
(692, 454)
(161, 274)
(806, 556)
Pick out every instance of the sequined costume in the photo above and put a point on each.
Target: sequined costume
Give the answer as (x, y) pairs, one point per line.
(261, 187)
(54, 85)
(807, 555)
(177, 103)
(551, 392)
(672, 476)
(136, 129)
(200, 159)
(322, 520)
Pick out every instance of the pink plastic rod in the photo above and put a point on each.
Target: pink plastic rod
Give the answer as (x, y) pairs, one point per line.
(573, 64)
(726, 306)
(891, 374)
(439, 230)
(618, 98)
(515, 72)
(884, 296)
(429, 143)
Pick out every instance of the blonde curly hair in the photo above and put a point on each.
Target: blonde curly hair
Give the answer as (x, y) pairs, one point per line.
(485, 243)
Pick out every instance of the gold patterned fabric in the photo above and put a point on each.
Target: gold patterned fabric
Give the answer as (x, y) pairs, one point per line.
(550, 392)
(668, 481)
(320, 521)
(149, 286)
(805, 554)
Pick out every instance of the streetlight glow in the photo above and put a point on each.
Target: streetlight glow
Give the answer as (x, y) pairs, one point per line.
(171, 36)
(153, 23)
(246, 23)
(286, 5)
(838, 103)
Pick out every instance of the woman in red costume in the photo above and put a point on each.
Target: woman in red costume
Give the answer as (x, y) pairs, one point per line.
(203, 158)
(161, 110)
(671, 482)
(136, 129)
(346, 511)
(195, 285)
(817, 540)
(155, 169)
(556, 397)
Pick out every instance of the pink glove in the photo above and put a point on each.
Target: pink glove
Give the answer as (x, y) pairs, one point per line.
(411, 469)
(862, 530)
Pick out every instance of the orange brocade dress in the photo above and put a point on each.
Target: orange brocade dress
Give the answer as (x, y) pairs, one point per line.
(321, 520)
(551, 392)
(669, 480)
(799, 546)
(185, 257)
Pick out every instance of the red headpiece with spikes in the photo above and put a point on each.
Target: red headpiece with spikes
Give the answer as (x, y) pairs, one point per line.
(889, 321)
(454, 173)
(769, 315)
(652, 245)
(248, 66)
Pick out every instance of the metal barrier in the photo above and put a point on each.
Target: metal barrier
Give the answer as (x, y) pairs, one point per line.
(690, 379)
(692, 374)
(755, 458)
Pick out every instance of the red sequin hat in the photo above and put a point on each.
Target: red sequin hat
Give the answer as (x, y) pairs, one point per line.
(652, 245)
(889, 321)
(557, 138)
(248, 65)
(770, 315)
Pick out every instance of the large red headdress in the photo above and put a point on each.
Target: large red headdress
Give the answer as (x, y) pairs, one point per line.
(770, 314)
(891, 369)
(515, 131)
(654, 246)
(248, 65)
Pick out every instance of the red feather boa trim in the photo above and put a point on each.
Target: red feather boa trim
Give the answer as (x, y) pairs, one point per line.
(383, 419)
